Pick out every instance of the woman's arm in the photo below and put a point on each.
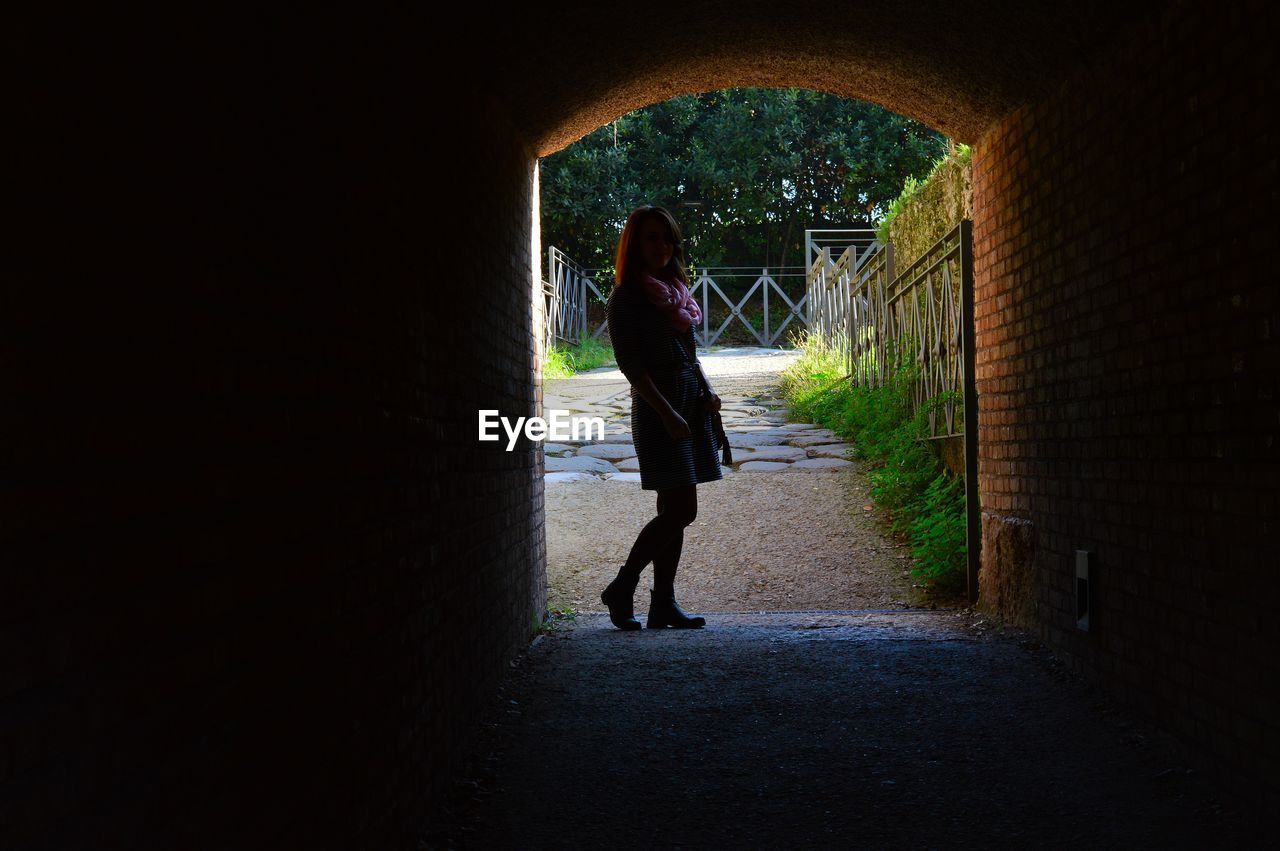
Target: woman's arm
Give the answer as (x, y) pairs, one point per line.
(650, 393)
(671, 419)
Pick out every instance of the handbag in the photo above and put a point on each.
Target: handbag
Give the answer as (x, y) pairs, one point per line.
(717, 422)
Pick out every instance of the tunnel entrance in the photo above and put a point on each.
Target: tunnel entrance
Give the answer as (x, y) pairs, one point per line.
(765, 539)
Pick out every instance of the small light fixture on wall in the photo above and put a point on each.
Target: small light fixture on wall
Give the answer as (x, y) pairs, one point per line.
(1084, 595)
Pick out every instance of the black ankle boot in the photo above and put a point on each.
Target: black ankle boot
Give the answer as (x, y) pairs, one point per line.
(664, 611)
(619, 597)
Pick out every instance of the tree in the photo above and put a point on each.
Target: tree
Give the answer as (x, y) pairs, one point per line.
(765, 164)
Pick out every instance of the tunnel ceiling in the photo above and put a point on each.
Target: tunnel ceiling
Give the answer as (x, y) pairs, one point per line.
(564, 69)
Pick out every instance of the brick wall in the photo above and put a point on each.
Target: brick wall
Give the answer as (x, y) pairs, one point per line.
(1127, 370)
(258, 574)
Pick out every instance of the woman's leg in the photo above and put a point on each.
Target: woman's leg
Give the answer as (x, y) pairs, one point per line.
(663, 610)
(678, 507)
(665, 562)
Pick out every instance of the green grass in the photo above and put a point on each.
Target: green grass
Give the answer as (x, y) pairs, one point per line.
(564, 360)
(557, 615)
(925, 500)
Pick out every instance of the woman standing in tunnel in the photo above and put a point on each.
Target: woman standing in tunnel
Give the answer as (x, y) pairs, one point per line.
(651, 315)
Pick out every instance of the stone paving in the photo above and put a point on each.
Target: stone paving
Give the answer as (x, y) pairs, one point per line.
(754, 421)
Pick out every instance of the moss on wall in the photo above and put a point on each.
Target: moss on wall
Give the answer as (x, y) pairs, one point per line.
(927, 209)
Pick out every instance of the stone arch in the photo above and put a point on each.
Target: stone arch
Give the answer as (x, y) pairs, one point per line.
(953, 68)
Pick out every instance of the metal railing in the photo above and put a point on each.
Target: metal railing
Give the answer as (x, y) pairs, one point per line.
(566, 295)
(880, 318)
(838, 292)
(837, 240)
(571, 295)
(569, 288)
(877, 316)
(792, 304)
(922, 318)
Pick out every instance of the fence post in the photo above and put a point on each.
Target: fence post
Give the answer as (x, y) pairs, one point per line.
(706, 308)
(825, 255)
(886, 279)
(764, 273)
(850, 330)
(553, 315)
(973, 508)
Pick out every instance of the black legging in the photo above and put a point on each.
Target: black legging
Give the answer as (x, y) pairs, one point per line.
(662, 538)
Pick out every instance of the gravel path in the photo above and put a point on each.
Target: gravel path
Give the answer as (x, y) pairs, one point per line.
(782, 537)
(761, 541)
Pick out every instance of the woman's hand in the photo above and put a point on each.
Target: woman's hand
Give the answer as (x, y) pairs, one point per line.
(711, 403)
(676, 426)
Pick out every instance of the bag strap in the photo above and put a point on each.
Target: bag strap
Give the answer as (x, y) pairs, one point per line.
(702, 380)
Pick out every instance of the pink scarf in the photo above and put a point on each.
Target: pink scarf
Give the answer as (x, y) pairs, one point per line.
(673, 298)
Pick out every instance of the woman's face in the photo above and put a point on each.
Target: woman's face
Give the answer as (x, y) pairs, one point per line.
(656, 246)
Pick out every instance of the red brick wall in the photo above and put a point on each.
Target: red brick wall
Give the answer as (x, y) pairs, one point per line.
(258, 574)
(1126, 308)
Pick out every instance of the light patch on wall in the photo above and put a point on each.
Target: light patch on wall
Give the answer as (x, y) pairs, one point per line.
(535, 267)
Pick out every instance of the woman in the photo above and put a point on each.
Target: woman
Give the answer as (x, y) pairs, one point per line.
(651, 315)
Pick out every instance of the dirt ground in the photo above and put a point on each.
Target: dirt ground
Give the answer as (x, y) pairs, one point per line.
(799, 539)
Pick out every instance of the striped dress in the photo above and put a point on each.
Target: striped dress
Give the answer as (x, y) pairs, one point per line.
(644, 342)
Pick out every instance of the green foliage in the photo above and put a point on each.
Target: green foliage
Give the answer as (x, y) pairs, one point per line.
(764, 164)
(928, 208)
(927, 505)
(909, 190)
(895, 436)
(805, 383)
(564, 360)
(938, 533)
(557, 615)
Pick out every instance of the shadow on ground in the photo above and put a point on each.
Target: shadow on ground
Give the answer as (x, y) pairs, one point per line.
(817, 730)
